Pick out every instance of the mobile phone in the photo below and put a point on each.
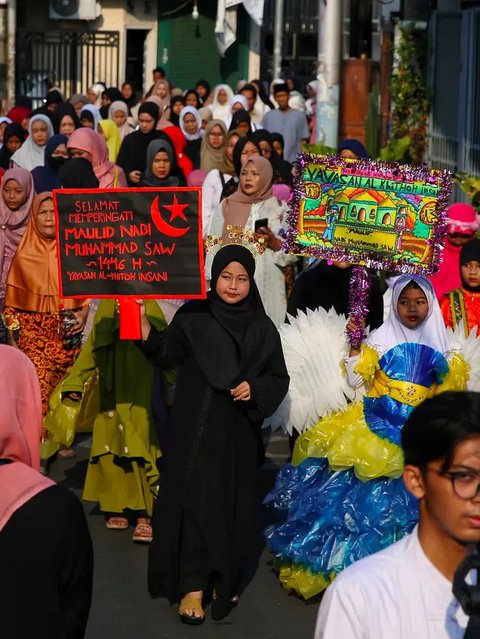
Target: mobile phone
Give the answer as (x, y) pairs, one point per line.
(262, 222)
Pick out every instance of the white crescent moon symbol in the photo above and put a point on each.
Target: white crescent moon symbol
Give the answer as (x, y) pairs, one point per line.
(162, 226)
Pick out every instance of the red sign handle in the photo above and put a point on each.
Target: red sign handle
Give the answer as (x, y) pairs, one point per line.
(130, 318)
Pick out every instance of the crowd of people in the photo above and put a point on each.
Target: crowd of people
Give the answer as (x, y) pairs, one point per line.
(176, 417)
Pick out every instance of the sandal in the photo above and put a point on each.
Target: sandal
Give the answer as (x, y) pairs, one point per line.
(67, 453)
(143, 533)
(117, 523)
(191, 603)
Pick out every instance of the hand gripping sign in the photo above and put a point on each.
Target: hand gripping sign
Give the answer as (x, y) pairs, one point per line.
(129, 244)
(374, 214)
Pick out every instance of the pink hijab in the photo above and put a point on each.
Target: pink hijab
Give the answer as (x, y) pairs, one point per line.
(105, 171)
(20, 428)
(13, 223)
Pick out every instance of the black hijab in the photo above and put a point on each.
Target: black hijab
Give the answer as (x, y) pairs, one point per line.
(113, 94)
(11, 130)
(132, 100)
(328, 286)
(238, 150)
(277, 137)
(77, 173)
(230, 342)
(190, 92)
(174, 118)
(133, 152)
(63, 109)
(282, 170)
(470, 253)
(46, 178)
(240, 116)
(234, 318)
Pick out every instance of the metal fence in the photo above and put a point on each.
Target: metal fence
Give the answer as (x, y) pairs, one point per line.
(454, 128)
(70, 60)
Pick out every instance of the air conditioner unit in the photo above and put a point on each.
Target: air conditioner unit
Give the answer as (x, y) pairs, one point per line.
(74, 9)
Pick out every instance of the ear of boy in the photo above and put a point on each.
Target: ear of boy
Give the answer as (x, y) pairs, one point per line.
(414, 481)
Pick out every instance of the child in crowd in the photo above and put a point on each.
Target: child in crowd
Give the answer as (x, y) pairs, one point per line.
(463, 303)
(462, 221)
(343, 492)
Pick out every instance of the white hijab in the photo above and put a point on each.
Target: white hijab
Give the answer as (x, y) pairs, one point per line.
(198, 118)
(238, 97)
(95, 111)
(221, 111)
(30, 154)
(431, 332)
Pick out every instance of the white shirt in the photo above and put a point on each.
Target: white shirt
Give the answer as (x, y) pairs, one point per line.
(396, 593)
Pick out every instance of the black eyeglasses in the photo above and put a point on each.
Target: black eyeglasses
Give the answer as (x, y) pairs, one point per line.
(465, 483)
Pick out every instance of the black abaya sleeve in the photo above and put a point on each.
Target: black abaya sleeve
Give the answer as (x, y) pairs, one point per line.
(270, 386)
(167, 348)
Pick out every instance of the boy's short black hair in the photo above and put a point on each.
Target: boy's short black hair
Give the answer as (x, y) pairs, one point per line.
(160, 70)
(436, 427)
(249, 87)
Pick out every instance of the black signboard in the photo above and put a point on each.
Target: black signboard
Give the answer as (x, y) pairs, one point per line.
(130, 242)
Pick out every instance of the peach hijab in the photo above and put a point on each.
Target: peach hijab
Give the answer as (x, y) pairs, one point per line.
(32, 282)
(20, 429)
(236, 208)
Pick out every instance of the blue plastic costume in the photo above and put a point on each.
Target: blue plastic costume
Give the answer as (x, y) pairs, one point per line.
(343, 494)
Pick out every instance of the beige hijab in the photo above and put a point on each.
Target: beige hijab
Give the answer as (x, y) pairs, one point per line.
(211, 158)
(236, 208)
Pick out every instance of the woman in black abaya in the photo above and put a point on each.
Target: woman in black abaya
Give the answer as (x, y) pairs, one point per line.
(232, 375)
(132, 156)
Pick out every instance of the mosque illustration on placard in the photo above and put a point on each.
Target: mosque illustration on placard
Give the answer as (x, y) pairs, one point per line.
(394, 223)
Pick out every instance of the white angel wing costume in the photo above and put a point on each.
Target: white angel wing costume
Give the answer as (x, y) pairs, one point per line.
(469, 347)
(314, 347)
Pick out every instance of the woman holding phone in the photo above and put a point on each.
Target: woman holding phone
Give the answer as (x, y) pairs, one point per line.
(254, 207)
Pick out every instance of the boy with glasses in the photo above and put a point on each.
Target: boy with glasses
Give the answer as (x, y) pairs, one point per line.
(405, 591)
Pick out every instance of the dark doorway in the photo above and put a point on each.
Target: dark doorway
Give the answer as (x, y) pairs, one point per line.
(135, 59)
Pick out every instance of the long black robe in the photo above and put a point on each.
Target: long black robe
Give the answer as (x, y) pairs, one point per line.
(326, 286)
(210, 467)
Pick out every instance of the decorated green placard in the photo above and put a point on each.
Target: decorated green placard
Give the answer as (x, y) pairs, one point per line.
(371, 213)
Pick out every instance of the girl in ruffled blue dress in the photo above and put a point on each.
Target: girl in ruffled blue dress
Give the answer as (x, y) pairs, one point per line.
(343, 493)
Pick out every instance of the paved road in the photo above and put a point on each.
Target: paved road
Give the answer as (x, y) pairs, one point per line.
(122, 608)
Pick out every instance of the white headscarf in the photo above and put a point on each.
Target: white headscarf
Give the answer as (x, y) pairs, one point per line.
(7, 121)
(119, 105)
(198, 118)
(221, 111)
(30, 154)
(431, 332)
(238, 97)
(95, 111)
(98, 88)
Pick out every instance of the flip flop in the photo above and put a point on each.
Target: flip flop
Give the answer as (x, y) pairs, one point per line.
(117, 523)
(142, 534)
(187, 603)
(67, 453)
